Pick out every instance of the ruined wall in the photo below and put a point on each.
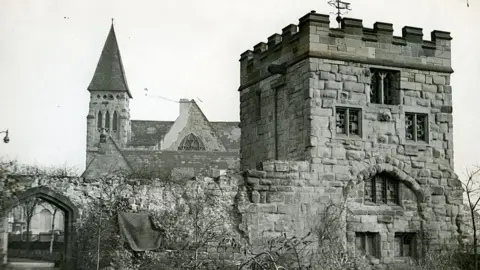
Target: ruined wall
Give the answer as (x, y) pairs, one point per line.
(75, 195)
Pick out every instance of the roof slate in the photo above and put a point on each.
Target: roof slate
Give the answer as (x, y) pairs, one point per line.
(109, 74)
(228, 133)
(149, 133)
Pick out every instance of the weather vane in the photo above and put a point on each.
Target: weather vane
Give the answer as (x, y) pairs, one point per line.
(339, 5)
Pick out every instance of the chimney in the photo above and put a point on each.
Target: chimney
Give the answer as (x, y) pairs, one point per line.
(184, 106)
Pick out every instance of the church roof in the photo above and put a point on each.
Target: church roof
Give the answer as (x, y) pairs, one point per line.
(228, 133)
(109, 74)
(149, 133)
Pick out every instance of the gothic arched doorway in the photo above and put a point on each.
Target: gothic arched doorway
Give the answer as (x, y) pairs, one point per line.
(41, 204)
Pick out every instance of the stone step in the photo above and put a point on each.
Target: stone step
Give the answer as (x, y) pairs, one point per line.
(31, 266)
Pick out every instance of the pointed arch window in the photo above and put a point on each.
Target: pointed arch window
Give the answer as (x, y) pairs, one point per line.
(107, 121)
(115, 121)
(191, 143)
(99, 120)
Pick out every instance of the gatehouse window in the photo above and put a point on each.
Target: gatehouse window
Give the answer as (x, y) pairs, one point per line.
(416, 127)
(191, 143)
(405, 244)
(367, 243)
(384, 86)
(348, 121)
(382, 189)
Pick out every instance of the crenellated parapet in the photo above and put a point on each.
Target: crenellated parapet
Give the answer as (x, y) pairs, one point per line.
(352, 42)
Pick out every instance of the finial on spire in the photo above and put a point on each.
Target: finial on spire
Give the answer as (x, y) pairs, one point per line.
(339, 5)
(112, 20)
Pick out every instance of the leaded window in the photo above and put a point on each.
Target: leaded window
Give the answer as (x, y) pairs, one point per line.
(382, 189)
(384, 86)
(416, 127)
(191, 143)
(405, 244)
(367, 243)
(348, 121)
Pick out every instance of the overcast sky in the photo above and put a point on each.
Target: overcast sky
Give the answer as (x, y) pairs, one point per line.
(182, 49)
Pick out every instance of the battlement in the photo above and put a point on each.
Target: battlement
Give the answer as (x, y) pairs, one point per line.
(313, 37)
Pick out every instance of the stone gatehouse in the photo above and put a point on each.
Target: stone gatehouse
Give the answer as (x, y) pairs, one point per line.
(368, 115)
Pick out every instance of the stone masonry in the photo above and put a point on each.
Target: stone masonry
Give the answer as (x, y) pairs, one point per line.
(351, 116)
(357, 115)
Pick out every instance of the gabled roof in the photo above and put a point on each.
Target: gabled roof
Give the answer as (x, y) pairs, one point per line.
(148, 133)
(109, 74)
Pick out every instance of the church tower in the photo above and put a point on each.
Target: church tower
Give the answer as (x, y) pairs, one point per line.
(109, 112)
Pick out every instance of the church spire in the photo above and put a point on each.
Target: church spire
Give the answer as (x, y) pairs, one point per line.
(109, 74)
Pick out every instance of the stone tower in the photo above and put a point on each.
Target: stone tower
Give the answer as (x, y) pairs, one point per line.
(351, 115)
(313, 87)
(109, 112)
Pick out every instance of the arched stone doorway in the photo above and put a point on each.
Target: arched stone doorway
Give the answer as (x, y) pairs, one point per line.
(58, 200)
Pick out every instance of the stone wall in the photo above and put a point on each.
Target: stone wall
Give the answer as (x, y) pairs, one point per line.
(291, 198)
(272, 116)
(74, 196)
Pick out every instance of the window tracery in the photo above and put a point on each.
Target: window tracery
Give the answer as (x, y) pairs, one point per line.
(191, 143)
(384, 87)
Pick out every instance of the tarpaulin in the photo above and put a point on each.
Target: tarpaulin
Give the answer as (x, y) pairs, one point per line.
(139, 231)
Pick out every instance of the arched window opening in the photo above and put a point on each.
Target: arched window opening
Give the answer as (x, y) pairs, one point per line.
(382, 189)
(115, 121)
(384, 86)
(107, 121)
(99, 120)
(191, 143)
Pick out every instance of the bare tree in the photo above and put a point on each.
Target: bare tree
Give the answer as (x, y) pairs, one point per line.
(52, 226)
(29, 206)
(472, 188)
(52, 239)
